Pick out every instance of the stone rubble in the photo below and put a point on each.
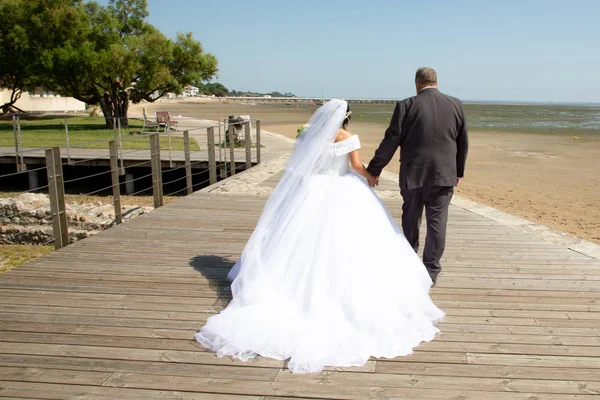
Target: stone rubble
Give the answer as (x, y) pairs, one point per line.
(27, 219)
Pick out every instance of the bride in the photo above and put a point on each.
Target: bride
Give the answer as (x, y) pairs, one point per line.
(327, 278)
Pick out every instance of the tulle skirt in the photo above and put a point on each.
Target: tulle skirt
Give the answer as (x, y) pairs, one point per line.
(341, 285)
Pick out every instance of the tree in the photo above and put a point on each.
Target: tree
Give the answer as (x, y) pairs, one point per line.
(99, 55)
(215, 89)
(30, 31)
(119, 57)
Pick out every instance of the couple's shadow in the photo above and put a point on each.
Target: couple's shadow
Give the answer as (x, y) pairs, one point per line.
(215, 269)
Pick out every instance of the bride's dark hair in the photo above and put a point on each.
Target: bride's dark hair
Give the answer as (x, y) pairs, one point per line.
(348, 116)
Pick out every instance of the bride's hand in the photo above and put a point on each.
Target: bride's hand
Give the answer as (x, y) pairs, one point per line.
(373, 180)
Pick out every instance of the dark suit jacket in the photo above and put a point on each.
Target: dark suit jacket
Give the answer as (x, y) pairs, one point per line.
(431, 131)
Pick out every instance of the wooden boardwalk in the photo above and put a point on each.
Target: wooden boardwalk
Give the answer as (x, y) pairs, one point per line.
(113, 317)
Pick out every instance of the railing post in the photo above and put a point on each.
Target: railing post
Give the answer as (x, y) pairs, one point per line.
(18, 144)
(116, 186)
(188, 163)
(122, 167)
(212, 159)
(170, 157)
(231, 135)
(258, 142)
(222, 146)
(56, 191)
(220, 155)
(248, 144)
(156, 170)
(159, 168)
(68, 141)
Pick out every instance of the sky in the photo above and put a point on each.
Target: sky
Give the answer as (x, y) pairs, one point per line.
(527, 50)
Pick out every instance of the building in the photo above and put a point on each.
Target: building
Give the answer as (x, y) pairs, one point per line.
(190, 91)
(43, 101)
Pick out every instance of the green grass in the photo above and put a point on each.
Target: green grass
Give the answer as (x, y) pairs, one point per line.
(84, 132)
(12, 256)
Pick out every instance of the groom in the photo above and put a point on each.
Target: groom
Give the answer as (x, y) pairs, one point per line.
(431, 131)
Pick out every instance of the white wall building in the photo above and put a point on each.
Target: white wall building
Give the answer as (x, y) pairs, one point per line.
(190, 91)
(43, 102)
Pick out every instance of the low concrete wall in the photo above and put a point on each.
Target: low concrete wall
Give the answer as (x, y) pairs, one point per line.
(39, 103)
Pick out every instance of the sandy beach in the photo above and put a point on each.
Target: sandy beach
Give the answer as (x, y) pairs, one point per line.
(550, 179)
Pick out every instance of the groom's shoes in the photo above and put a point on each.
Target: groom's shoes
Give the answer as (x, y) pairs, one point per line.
(433, 280)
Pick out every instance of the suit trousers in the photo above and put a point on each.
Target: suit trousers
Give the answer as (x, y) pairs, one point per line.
(435, 200)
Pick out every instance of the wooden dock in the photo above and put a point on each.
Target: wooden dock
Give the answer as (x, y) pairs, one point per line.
(113, 317)
(131, 158)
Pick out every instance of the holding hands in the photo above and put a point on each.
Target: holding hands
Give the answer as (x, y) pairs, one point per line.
(373, 180)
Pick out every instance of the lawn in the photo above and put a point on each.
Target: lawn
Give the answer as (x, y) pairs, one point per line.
(84, 132)
(14, 255)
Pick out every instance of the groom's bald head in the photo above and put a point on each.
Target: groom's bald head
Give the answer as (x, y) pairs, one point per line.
(425, 77)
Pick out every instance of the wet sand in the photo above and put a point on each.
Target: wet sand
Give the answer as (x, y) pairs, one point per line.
(550, 179)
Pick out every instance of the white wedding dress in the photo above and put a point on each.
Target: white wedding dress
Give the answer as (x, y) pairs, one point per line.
(331, 282)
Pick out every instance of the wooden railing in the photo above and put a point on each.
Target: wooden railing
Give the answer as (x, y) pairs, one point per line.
(56, 181)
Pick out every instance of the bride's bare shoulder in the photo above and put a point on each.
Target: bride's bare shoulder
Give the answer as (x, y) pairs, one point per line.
(342, 135)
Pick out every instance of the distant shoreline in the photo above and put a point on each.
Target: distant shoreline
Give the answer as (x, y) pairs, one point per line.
(375, 100)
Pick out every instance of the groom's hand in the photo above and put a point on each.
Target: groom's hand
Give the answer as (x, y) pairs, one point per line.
(373, 180)
(458, 181)
(370, 180)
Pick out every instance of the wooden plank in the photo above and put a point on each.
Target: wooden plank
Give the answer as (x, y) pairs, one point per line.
(457, 371)
(11, 389)
(192, 326)
(314, 387)
(408, 381)
(537, 360)
(76, 296)
(122, 353)
(151, 367)
(26, 374)
(14, 301)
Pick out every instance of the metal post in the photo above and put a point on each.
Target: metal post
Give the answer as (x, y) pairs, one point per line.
(248, 144)
(56, 191)
(258, 142)
(156, 170)
(68, 141)
(212, 159)
(231, 134)
(188, 164)
(116, 187)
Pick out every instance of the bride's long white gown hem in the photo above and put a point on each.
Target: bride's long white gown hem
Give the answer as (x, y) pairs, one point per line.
(327, 278)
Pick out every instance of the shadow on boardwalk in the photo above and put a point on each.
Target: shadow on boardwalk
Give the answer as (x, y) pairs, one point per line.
(215, 269)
